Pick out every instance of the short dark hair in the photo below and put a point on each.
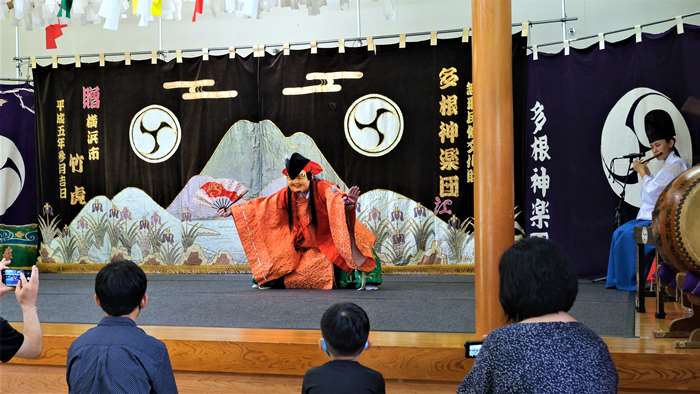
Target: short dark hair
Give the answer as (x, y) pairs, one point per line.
(345, 328)
(120, 286)
(536, 279)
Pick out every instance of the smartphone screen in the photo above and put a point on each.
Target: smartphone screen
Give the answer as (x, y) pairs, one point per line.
(10, 277)
(471, 349)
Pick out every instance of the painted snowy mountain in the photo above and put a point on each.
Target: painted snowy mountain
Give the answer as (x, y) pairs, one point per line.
(132, 225)
(254, 154)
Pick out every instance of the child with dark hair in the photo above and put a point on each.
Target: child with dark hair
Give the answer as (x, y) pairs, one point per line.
(345, 329)
(117, 356)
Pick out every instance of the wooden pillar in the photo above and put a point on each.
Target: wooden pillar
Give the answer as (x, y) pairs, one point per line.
(493, 140)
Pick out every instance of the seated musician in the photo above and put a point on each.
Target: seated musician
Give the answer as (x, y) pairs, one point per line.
(622, 259)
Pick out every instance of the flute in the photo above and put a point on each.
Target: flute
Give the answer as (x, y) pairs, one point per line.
(645, 161)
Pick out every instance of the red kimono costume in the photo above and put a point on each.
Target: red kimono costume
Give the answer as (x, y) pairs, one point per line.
(304, 255)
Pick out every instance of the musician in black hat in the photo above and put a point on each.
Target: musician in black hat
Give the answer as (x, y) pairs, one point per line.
(622, 260)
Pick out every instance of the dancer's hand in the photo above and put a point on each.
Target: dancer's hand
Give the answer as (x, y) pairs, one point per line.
(223, 212)
(352, 196)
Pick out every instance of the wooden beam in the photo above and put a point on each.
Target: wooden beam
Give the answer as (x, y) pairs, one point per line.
(493, 141)
(642, 364)
(412, 356)
(22, 379)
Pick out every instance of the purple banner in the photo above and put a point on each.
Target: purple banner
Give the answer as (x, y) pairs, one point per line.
(583, 110)
(17, 155)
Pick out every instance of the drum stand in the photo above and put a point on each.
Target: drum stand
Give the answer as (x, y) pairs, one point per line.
(693, 341)
(686, 327)
(643, 235)
(690, 326)
(659, 290)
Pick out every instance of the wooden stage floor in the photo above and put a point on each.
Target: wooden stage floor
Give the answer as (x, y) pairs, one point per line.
(229, 360)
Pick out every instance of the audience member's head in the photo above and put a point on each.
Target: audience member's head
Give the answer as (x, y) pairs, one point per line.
(536, 279)
(345, 328)
(120, 288)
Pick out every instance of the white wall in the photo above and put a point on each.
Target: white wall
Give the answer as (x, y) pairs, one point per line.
(7, 50)
(283, 24)
(596, 16)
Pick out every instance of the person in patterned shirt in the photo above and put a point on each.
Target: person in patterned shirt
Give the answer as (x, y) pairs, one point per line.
(544, 350)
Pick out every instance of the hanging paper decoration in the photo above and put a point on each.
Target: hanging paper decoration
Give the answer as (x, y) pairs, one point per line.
(198, 9)
(65, 6)
(39, 13)
(18, 8)
(110, 10)
(157, 8)
(52, 33)
(144, 12)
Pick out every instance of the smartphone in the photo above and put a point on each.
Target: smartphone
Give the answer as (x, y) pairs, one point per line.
(471, 349)
(10, 277)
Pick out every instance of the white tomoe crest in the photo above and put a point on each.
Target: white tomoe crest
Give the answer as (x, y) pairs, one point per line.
(154, 134)
(373, 125)
(12, 173)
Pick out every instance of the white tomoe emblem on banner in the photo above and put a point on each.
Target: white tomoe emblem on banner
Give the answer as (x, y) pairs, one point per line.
(154, 134)
(624, 133)
(12, 173)
(373, 125)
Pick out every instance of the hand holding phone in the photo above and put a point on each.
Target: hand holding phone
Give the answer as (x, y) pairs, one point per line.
(27, 290)
(472, 349)
(11, 277)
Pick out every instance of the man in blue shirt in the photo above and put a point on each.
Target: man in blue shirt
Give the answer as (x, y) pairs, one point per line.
(117, 356)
